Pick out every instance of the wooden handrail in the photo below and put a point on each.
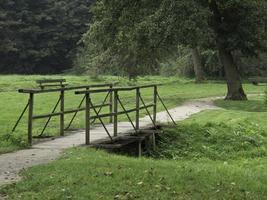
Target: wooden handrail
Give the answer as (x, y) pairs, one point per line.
(115, 89)
(37, 91)
(66, 112)
(50, 81)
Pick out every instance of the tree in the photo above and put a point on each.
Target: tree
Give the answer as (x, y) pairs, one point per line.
(198, 65)
(150, 30)
(41, 36)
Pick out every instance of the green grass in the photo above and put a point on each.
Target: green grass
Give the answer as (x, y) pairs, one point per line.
(175, 91)
(235, 113)
(88, 174)
(215, 141)
(254, 104)
(238, 131)
(218, 154)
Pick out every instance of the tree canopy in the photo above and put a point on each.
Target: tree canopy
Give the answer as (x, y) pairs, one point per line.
(136, 35)
(41, 36)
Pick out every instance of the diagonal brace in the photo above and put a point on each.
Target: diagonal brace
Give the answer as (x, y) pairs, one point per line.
(127, 114)
(47, 122)
(100, 119)
(143, 102)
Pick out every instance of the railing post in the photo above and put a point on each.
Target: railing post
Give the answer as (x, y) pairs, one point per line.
(155, 104)
(137, 108)
(62, 110)
(111, 103)
(30, 120)
(115, 119)
(87, 118)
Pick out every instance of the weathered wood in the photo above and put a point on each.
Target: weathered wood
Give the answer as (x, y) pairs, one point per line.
(50, 81)
(115, 118)
(160, 99)
(62, 109)
(120, 112)
(111, 104)
(155, 104)
(87, 119)
(115, 89)
(258, 80)
(46, 115)
(48, 121)
(20, 117)
(52, 85)
(65, 112)
(38, 91)
(137, 117)
(30, 119)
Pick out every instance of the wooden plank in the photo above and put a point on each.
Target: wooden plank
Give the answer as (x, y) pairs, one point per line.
(119, 89)
(258, 80)
(87, 119)
(46, 115)
(137, 104)
(52, 85)
(102, 115)
(65, 112)
(111, 104)
(50, 81)
(155, 104)
(37, 91)
(30, 118)
(62, 109)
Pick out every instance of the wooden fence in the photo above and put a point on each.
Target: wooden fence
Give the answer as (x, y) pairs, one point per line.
(112, 100)
(140, 104)
(61, 102)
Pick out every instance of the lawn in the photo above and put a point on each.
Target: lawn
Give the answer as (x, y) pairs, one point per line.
(86, 174)
(174, 91)
(219, 154)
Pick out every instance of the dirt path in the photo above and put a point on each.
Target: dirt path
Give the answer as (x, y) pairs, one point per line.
(12, 163)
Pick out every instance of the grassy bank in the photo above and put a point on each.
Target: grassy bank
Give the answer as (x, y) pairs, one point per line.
(174, 92)
(88, 174)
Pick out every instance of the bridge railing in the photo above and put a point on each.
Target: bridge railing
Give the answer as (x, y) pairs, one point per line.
(61, 103)
(139, 105)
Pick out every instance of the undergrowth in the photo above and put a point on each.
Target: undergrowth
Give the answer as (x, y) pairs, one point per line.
(216, 141)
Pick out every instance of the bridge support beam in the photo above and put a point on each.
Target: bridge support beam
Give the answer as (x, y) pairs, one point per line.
(87, 118)
(155, 104)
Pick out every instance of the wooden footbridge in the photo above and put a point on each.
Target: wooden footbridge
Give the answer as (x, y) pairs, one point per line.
(92, 112)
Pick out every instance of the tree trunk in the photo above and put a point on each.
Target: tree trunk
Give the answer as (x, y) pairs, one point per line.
(234, 84)
(198, 66)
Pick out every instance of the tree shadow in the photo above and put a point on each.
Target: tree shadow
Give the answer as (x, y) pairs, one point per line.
(254, 105)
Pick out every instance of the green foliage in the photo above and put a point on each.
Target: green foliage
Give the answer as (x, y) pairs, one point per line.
(133, 35)
(41, 37)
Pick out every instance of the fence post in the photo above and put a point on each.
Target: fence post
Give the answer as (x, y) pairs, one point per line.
(137, 108)
(115, 119)
(111, 104)
(87, 119)
(155, 104)
(62, 110)
(30, 120)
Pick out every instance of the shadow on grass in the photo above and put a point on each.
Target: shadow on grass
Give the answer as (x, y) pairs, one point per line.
(253, 105)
